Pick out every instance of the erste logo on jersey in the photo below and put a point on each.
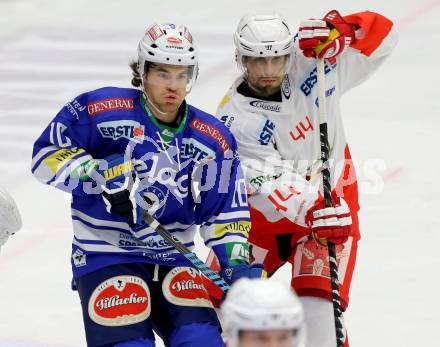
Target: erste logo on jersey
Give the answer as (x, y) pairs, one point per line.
(119, 301)
(266, 133)
(191, 148)
(183, 286)
(266, 105)
(310, 80)
(114, 104)
(128, 129)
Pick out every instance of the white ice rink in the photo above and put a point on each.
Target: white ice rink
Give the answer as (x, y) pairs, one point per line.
(50, 51)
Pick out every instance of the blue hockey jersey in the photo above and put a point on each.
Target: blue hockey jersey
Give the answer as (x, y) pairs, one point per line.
(193, 176)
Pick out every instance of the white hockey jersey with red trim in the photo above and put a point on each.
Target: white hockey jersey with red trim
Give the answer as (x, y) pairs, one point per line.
(279, 143)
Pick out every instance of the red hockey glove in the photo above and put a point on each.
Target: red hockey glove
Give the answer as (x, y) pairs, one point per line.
(332, 224)
(325, 38)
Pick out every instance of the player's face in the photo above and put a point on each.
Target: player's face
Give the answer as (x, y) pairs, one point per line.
(272, 338)
(265, 75)
(166, 86)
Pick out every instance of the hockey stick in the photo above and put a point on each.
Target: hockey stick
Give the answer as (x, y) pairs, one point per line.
(336, 299)
(191, 256)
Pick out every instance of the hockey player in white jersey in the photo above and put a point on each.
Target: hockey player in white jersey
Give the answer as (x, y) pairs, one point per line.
(272, 110)
(262, 313)
(10, 219)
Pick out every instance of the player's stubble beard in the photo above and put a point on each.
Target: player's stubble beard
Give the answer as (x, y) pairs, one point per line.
(262, 89)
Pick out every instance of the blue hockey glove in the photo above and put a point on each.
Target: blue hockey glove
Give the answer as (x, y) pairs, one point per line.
(234, 273)
(121, 188)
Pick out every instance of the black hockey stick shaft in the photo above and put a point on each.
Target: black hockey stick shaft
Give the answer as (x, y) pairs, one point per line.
(336, 299)
(191, 256)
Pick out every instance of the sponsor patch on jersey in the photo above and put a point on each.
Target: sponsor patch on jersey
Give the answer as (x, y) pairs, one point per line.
(242, 227)
(129, 241)
(266, 105)
(285, 87)
(119, 170)
(74, 106)
(120, 301)
(266, 133)
(162, 257)
(127, 129)
(258, 181)
(210, 131)
(237, 252)
(183, 286)
(156, 242)
(106, 105)
(328, 93)
(227, 120)
(79, 258)
(311, 79)
(57, 160)
(193, 149)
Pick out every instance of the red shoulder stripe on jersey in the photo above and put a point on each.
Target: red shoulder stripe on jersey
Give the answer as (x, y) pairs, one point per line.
(376, 28)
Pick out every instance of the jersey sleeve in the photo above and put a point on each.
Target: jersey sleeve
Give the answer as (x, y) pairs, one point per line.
(375, 39)
(222, 209)
(60, 152)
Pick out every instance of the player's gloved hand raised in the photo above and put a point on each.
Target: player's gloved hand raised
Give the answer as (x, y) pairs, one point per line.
(325, 38)
(121, 188)
(331, 224)
(233, 273)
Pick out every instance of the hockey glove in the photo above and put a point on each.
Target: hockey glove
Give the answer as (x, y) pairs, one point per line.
(332, 224)
(325, 38)
(234, 273)
(121, 188)
(234, 262)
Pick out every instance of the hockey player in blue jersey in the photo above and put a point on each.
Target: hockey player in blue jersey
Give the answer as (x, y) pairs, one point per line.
(122, 151)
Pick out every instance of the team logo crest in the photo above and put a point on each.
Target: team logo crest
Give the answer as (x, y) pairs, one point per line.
(119, 301)
(183, 286)
(156, 199)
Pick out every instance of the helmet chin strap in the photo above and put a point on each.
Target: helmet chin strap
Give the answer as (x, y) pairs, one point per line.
(150, 102)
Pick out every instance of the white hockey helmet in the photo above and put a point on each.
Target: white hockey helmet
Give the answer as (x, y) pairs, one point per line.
(260, 35)
(168, 44)
(261, 304)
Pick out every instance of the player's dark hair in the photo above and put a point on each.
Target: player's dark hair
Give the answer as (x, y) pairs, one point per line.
(136, 81)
